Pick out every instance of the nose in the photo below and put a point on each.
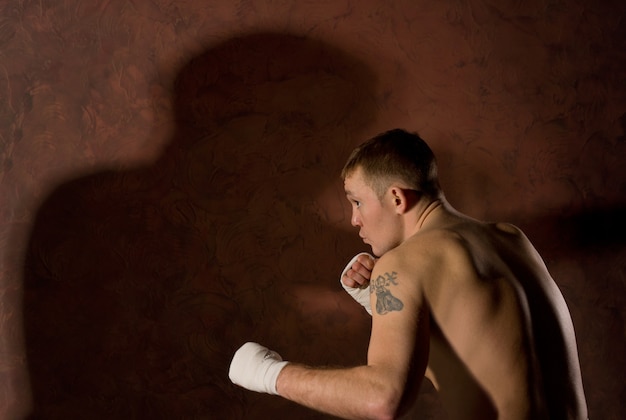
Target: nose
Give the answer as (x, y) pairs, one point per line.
(356, 219)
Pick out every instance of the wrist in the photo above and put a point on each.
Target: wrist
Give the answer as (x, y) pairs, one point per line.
(273, 374)
(282, 379)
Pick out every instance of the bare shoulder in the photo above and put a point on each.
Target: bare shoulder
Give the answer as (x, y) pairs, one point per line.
(509, 231)
(425, 257)
(508, 228)
(435, 248)
(465, 252)
(396, 280)
(434, 243)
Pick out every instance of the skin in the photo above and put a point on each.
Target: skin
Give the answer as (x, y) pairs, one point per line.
(470, 305)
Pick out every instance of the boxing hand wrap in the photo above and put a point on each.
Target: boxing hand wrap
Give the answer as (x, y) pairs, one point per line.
(360, 295)
(256, 368)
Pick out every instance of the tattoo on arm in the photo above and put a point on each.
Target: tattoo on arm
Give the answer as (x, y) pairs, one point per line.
(385, 301)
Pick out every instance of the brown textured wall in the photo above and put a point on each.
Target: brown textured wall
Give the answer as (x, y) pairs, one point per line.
(169, 189)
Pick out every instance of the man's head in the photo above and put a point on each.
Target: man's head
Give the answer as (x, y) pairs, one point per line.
(395, 156)
(384, 178)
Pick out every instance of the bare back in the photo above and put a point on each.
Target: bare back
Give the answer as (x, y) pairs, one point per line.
(502, 342)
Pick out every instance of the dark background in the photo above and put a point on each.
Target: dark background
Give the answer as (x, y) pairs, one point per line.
(169, 183)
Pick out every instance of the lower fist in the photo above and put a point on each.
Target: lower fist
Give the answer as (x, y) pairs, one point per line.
(360, 294)
(256, 368)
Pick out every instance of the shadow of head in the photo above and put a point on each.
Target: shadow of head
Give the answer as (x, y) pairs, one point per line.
(271, 105)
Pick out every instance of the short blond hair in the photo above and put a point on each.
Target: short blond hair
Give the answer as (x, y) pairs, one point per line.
(395, 156)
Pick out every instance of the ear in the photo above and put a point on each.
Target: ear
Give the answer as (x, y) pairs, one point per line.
(400, 199)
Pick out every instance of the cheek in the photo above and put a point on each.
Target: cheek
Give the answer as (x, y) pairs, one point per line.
(367, 219)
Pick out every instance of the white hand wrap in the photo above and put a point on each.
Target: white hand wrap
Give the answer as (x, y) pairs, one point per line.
(360, 295)
(256, 368)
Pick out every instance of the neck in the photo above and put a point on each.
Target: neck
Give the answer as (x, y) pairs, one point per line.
(425, 215)
(430, 213)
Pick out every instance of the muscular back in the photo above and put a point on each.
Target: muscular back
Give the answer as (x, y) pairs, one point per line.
(501, 338)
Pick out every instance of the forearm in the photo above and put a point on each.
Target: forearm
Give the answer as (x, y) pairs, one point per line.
(351, 393)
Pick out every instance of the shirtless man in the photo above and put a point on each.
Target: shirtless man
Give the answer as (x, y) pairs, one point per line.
(468, 304)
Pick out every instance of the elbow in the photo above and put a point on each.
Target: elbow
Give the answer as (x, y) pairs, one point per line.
(385, 405)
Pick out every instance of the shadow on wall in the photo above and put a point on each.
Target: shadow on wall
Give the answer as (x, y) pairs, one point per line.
(140, 284)
(585, 250)
(602, 228)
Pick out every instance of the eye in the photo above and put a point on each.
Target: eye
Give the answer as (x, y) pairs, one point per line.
(353, 201)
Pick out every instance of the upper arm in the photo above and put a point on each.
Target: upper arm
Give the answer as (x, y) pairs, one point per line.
(400, 336)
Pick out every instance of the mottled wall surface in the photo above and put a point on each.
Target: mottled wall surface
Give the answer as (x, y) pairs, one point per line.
(169, 183)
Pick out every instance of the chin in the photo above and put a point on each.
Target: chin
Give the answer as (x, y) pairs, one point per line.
(379, 252)
(376, 252)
